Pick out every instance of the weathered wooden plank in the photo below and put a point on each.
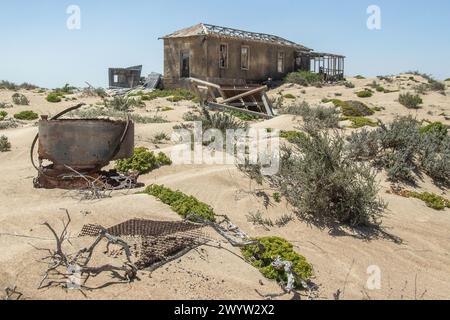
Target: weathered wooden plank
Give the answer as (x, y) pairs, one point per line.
(220, 106)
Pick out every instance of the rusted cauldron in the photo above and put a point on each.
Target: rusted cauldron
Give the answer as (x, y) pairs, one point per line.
(82, 146)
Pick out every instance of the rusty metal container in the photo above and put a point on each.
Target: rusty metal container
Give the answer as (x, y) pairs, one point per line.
(84, 144)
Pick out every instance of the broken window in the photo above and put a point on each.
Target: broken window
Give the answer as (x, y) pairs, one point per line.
(245, 58)
(116, 78)
(280, 65)
(223, 56)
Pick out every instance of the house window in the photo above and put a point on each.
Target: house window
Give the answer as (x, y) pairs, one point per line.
(280, 64)
(245, 58)
(116, 78)
(223, 56)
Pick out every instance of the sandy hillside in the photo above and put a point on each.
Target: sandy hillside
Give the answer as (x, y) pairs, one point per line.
(414, 256)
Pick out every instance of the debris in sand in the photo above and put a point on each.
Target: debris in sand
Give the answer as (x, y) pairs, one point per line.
(154, 243)
(73, 270)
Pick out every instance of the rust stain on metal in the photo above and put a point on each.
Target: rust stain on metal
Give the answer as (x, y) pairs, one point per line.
(81, 145)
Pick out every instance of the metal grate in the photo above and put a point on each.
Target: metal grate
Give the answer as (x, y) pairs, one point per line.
(154, 243)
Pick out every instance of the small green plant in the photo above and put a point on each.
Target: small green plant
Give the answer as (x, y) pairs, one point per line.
(3, 115)
(366, 93)
(166, 108)
(432, 200)
(181, 203)
(289, 96)
(360, 122)
(271, 248)
(349, 85)
(143, 161)
(5, 145)
(304, 78)
(292, 136)
(360, 77)
(410, 101)
(26, 115)
(159, 137)
(356, 109)
(175, 99)
(446, 80)
(53, 97)
(277, 197)
(243, 116)
(435, 128)
(20, 99)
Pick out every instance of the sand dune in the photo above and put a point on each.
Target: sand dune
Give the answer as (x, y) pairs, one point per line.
(415, 267)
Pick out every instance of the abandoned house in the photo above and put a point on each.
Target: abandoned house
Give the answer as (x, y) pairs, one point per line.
(228, 56)
(125, 77)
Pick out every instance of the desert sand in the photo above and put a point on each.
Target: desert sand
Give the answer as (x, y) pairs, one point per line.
(414, 260)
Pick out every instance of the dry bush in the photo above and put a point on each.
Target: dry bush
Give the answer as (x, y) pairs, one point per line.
(326, 186)
(5, 145)
(20, 99)
(410, 101)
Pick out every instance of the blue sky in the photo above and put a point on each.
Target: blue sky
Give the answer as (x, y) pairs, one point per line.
(37, 47)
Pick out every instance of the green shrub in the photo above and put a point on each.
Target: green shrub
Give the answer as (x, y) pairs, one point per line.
(360, 122)
(292, 136)
(53, 97)
(20, 99)
(431, 200)
(355, 109)
(325, 185)
(5, 145)
(142, 161)
(3, 115)
(289, 96)
(320, 116)
(262, 256)
(364, 93)
(181, 203)
(434, 85)
(304, 78)
(66, 90)
(410, 101)
(26, 115)
(277, 197)
(360, 77)
(405, 149)
(349, 85)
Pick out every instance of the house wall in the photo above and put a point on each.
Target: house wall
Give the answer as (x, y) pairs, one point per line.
(204, 61)
(173, 48)
(263, 61)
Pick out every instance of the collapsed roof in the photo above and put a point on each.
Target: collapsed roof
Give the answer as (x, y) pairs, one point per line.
(203, 29)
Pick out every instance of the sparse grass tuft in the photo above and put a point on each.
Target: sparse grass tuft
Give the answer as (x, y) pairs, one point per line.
(360, 77)
(292, 136)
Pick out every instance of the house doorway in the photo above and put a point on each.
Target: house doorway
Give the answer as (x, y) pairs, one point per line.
(185, 64)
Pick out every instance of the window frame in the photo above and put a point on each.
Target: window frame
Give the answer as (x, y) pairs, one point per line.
(281, 54)
(248, 58)
(220, 56)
